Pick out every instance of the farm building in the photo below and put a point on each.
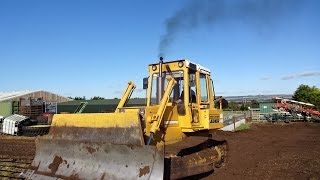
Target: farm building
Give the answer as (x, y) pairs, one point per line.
(30, 103)
(97, 106)
(266, 107)
(45, 95)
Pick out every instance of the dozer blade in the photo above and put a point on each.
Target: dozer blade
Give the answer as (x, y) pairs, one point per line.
(96, 146)
(74, 160)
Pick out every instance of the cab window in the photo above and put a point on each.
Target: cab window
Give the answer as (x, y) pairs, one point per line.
(177, 89)
(203, 88)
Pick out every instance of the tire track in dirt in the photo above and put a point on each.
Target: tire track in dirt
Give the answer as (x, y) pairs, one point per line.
(265, 151)
(272, 151)
(16, 154)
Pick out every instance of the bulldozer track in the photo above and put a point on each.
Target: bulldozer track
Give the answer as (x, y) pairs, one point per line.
(194, 156)
(34, 131)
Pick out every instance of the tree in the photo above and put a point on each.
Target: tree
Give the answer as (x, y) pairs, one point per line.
(308, 94)
(97, 98)
(254, 104)
(80, 98)
(224, 103)
(234, 106)
(243, 107)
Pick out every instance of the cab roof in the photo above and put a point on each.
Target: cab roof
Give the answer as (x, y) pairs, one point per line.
(188, 63)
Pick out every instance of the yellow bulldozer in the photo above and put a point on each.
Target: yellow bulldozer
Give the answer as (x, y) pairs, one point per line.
(168, 138)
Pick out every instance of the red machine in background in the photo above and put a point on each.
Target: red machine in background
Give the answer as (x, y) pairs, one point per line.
(296, 108)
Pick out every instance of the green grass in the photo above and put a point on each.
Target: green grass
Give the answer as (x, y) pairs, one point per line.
(243, 126)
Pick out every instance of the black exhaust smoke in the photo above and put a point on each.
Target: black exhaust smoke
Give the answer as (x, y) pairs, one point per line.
(196, 13)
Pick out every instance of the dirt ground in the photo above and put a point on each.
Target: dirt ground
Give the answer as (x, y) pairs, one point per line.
(265, 151)
(16, 153)
(272, 151)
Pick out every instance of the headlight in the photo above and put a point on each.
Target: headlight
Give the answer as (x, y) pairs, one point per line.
(154, 67)
(180, 64)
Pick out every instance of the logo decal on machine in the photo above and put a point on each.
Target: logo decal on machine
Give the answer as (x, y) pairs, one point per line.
(213, 120)
(171, 122)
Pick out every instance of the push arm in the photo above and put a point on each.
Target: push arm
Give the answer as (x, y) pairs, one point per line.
(126, 95)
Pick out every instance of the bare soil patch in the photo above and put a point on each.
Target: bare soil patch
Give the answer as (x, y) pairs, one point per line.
(265, 151)
(272, 151)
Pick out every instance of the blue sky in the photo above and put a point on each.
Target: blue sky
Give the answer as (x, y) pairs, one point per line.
(88, 48)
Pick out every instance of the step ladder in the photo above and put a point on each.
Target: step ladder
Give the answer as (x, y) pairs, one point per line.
(81, 107)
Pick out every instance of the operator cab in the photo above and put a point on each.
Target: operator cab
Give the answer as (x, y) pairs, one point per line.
(190, 103)
(187, 88)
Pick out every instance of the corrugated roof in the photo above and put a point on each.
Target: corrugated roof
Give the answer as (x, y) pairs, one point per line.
(4, 96)
(14, 94)
(135, 101)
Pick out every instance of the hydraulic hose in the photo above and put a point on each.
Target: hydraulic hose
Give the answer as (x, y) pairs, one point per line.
(150, 138)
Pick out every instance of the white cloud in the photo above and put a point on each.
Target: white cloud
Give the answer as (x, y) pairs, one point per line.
(265, 78)
(299, 75)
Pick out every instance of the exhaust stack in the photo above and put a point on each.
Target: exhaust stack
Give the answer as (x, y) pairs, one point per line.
(160, 81)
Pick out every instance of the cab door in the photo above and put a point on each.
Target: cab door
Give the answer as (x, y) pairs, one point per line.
(204, 100)
(200, 109)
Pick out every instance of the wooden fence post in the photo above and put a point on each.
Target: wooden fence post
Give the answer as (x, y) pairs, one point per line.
(234, 123)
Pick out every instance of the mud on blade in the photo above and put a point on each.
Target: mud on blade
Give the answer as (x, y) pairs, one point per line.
(96, 146)
(72, 160)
